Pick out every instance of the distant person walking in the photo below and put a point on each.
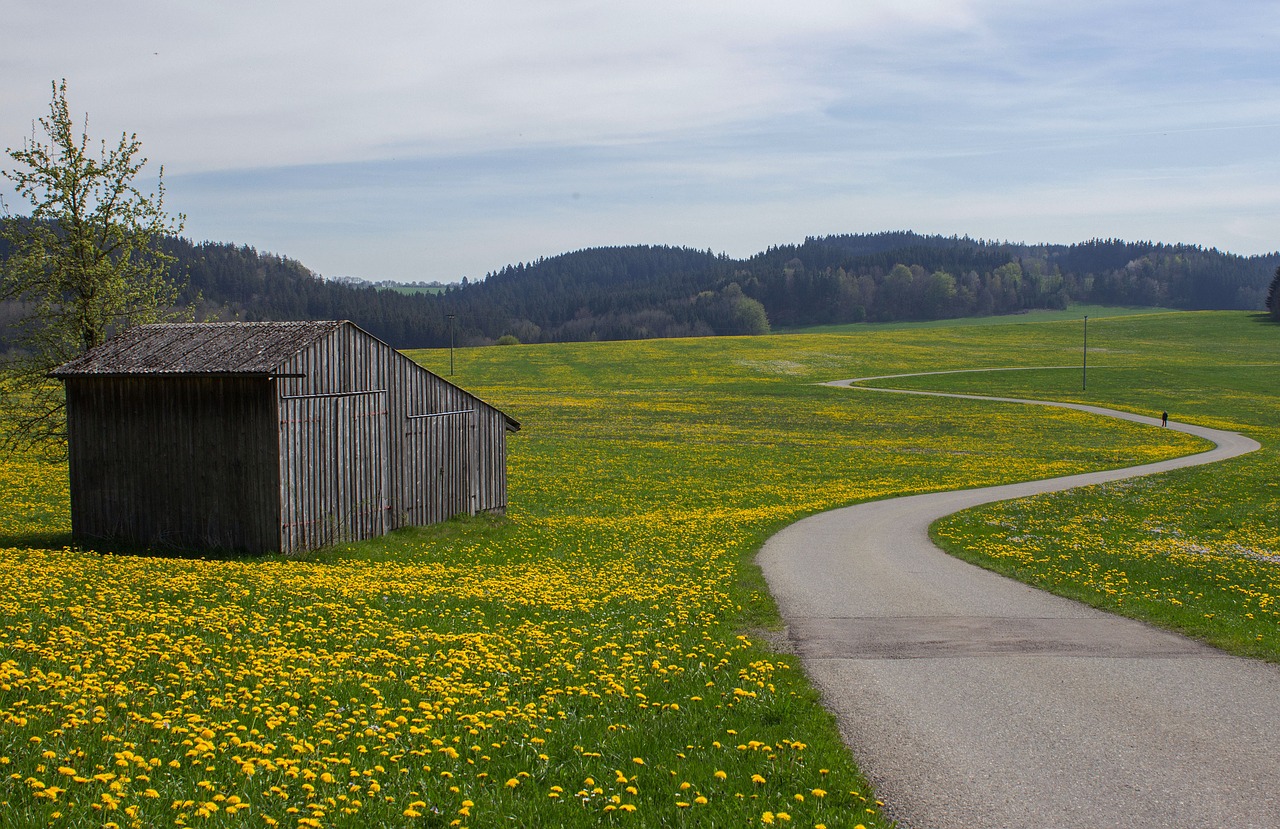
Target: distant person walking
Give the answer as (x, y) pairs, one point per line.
(1164, 418)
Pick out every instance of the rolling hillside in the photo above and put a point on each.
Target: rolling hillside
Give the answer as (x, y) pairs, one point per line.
(643, 291)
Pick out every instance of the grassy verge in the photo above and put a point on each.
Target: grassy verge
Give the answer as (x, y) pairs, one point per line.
(1190, 550)
(1195, 550)
(589, 659)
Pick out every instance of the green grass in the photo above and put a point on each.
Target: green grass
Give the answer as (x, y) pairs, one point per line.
(1074, 312)
(1190, 551)
(413, 289)
(1195, 550)
(614, 614)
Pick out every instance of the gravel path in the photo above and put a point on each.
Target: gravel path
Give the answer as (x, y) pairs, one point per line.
(971, 700)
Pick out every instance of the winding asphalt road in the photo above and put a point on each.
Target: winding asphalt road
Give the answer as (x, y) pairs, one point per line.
(971, 700)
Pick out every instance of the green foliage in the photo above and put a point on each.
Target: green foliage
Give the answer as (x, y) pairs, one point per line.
(84, 263)
(508, 339)
(729, 311)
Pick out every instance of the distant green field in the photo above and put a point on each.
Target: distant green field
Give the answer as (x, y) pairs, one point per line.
(1074, 312)
(412, 289)
(601, 654)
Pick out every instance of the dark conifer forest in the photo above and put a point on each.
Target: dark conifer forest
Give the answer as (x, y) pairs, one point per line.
(654, 291)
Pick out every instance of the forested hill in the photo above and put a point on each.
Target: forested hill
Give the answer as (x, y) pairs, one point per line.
(905, 276)
(654, 291)
(604, 293)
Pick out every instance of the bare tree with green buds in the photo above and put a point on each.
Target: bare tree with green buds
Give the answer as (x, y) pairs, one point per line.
(84, 263)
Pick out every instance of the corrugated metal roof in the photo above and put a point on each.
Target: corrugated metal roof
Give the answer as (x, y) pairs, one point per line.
(200, 348)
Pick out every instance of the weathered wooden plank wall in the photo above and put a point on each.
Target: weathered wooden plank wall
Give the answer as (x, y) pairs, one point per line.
(445, 450)
(333, 475)
(436, 472)
(184, 460)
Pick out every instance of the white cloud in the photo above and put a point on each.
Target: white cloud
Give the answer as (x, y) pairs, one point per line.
(259, 84)
(357, 137)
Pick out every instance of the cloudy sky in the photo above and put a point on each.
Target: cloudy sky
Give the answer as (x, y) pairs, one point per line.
(432, 140)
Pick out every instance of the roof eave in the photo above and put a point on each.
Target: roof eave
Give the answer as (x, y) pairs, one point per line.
(66, 375)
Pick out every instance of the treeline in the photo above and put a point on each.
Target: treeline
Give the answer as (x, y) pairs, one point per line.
(655, 291)
(1273, 296)
(904, 276)
(604, 294)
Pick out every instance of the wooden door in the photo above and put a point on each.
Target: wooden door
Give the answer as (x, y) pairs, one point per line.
(439, 469)
(333, 469)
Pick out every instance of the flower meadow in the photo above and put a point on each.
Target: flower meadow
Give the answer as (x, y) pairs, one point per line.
(1158, 549)
(1195, 550)
(606, 654)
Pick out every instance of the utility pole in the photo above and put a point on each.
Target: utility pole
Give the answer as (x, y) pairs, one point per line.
(451, 316)
(1084, 370)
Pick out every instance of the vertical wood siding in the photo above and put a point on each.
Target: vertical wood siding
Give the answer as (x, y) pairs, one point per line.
(439, 463)
(437, 467)
(183, 461)
(333, 471)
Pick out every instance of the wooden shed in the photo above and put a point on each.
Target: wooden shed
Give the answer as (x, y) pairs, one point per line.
(271, 436)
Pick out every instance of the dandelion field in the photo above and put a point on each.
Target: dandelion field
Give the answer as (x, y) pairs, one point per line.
(598, 657)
